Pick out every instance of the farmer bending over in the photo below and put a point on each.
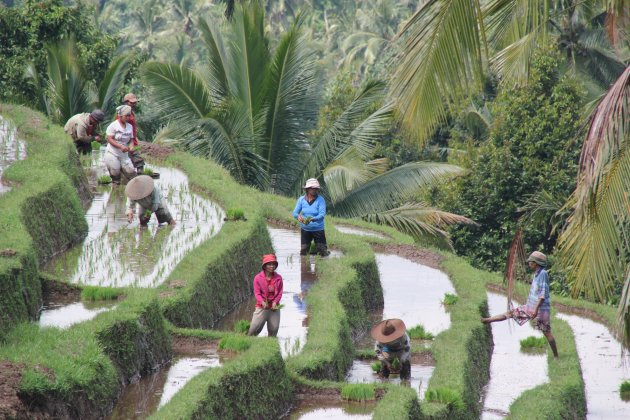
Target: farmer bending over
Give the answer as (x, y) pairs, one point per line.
(141, 191)
(538, 307)
(82, 129)
(392, 347)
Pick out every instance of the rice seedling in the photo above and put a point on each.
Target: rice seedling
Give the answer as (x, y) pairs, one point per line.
(234, 343)
(242, 326)
(104, 179)
(450, 299)
(147, 171)
(235, 214)
(358, 392)
(418, 332)
(93, 293)
(376, 367)
(445, 396)
(624, 390)
(96, 145)
(532, 343)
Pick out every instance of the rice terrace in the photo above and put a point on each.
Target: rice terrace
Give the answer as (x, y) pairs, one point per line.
(322, 209)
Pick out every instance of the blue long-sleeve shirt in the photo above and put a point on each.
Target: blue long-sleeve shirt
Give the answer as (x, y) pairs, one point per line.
(316, 210)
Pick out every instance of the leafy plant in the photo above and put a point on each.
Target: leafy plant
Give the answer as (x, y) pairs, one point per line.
(95, 293)
(358, 392)
(445, 396)
(376, 367)
(450, 299)
(242, 326)
(104, 179)
(418, 332)
(147, 171)
(533, 343)
(96, 145)
(235, 214)
(235, 343)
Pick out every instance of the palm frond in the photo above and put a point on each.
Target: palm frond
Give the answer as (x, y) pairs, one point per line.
(180, 92)
(544, 207)
(291, 107)
(383, 192)
(515, 267)
(218, 64)
(623, 317)
(112, 81)
(442, 59)
(349, 171)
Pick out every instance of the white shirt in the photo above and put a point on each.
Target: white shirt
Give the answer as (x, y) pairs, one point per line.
(122, 135)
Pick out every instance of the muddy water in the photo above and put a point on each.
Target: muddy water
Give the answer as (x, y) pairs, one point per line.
(121, 254)
(360, 232)
(145, 397)
(511, 371)
(414, 292)
(341, 411)
(604, 367)
(63, 315)
(361, 372)
(11, 149)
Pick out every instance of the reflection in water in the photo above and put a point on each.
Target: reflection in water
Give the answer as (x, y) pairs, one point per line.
(118, 254)
(361, 372)
(64, 315)
(413, 292)
(11, 149)
(349, 410)
(604, 367)
(360, 232)
(512, 372)
(143, 398)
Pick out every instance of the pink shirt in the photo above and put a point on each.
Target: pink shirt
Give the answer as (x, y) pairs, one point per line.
(265, 291)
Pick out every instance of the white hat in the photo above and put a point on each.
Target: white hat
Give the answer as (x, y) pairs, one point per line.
(311, 183)
(139, 187)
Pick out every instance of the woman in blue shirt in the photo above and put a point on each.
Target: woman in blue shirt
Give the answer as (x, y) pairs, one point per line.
(310, 211)
(538, 307)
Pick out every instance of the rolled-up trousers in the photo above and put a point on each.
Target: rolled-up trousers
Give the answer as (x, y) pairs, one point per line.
(262, 316)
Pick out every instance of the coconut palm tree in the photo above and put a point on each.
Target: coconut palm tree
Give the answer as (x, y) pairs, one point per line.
(65, 88)
(451, 45)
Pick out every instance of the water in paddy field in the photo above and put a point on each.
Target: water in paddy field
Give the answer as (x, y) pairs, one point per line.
(361, 372)
(145, 397)
(414, 292)
(361, 232)
(311, 410)
(121, 254)
(512, 371)
(64, 315)
(605, 365)
(11, 149)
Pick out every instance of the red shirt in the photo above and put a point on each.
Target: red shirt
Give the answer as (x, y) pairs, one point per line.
(267, 291)
(132, 121)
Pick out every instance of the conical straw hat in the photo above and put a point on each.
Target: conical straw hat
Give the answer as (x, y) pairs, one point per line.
(388, 330)
(139, 187)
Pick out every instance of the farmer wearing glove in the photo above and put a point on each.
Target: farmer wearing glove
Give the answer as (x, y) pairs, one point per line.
(268, 292)
(310, 210)
(119, 143)
(141, 191)
(393, 347)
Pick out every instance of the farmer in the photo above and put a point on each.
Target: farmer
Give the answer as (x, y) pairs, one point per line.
(141, 191)
(538, 307)
(82, 129)
(138, 162)
(310, 210)
(119, 143)
(268, 292)
(393, 347)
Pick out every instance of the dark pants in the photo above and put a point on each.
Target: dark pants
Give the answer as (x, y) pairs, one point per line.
(83, 147)
(319, 237)
(137, 160)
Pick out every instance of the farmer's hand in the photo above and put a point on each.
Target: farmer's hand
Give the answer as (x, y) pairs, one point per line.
(130, 147)
(97, 138)
(300, 218)
(274, 306)
(124, 149)
(535, 314)
(264, 305)
(129, 217)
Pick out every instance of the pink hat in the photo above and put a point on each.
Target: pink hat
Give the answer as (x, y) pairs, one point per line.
(269, 258)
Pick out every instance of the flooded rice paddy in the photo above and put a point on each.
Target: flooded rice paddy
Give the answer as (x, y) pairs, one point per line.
(11, 149)
(512, 371)
(605, 365)
(64, 315)
(361, 372)
(361, 232)
(341, 411)
(121, 254)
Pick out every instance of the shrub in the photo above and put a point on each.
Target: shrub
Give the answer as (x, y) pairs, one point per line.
(358, 392)
(533, 343)
(624, 390)
(234, 343)
(104, 179)
(242, 326)
(418, 332)
(445, 396)
(94, 293)
(450, 299)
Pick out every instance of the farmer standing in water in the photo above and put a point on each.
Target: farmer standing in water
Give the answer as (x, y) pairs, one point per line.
(538, 306)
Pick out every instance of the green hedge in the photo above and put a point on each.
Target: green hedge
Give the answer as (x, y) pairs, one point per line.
(218, 274)
(563, 397)
(40, 216)
(255, 385)
(399, 403)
